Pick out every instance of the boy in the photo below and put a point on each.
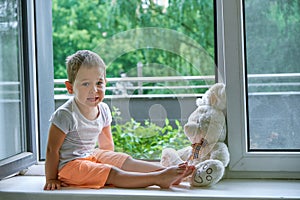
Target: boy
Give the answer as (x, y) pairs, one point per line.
(71, 158)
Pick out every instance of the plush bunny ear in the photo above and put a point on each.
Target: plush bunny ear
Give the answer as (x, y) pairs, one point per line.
(216, 96)
(220, 96)
(222, 103)
(213, 99)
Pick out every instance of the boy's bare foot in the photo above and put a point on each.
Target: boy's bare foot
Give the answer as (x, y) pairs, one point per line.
(189, 170)
(170, 175)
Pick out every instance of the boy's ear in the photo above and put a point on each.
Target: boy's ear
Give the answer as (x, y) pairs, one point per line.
(69, 87)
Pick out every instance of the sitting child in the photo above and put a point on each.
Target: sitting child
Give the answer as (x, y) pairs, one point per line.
(76, 126)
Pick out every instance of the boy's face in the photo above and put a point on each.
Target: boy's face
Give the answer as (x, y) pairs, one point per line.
(89, 86)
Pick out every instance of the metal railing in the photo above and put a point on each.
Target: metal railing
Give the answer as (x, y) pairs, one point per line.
(274, 84)
(148, 87)
(9, 92)
(172, 86)
(186, 86)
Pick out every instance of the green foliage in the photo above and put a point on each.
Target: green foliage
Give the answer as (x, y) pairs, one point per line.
(146, 141)
(272, 41)
(272, 28)
(272, 33)
(272, 38)
(87, 24)
(76, 25)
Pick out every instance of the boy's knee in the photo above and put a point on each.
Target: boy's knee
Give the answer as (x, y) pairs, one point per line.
(113, 175)
(128, 162)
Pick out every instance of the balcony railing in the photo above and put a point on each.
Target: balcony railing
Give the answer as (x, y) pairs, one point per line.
(187, 86)
(148, 87)
(9, 92)
(274, 84)
(173, 86)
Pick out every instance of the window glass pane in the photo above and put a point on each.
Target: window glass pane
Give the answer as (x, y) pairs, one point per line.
(11, 130)
(273, 74)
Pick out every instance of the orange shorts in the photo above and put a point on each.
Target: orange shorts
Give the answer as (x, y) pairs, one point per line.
(92, 171)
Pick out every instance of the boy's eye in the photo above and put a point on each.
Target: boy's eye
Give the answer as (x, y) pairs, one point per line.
(100, 83)
(85, 84)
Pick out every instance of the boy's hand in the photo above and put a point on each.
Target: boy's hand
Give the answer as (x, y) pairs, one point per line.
(54, 184)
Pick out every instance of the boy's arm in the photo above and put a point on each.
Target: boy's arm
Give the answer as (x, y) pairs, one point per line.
(55, 141)
(105, 140)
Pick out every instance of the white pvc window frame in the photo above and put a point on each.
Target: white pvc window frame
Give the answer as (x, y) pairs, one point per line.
(38, 90)
(231, 61)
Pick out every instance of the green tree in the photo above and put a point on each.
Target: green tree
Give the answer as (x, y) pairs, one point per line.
(272, 32)
(81, 25)
(76, 25)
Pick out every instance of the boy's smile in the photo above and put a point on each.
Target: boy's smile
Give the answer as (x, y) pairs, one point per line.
(93, 99)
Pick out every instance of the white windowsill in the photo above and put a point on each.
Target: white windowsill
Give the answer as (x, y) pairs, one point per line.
(31, 187)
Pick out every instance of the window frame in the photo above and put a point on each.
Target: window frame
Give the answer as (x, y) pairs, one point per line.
(20, 161)
(38, 75)
(45, 74)
(231, 57)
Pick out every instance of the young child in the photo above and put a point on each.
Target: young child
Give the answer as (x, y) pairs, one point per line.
(76, 126)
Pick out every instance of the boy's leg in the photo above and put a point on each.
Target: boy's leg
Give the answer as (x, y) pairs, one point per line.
(125, 162)
(85, 173)
(134, 165)
(163, 178)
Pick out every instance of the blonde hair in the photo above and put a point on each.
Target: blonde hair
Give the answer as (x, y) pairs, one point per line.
(83, 58)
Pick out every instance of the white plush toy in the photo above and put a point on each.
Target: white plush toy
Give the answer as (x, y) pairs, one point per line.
(206, 130)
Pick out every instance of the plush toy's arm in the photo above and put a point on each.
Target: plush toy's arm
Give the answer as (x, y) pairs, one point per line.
(220, 152)
(170, 157)
(185, 153)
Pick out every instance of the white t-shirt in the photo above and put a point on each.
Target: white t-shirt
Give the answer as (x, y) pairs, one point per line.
(81, 133)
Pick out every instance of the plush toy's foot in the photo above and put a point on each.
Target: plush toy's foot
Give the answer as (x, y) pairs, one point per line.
(207, 173)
